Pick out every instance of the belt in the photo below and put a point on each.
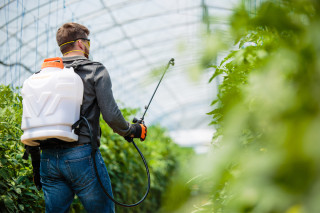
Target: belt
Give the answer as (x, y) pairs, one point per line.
(60, 146)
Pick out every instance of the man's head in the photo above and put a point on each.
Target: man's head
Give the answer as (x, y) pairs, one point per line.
(73, 38)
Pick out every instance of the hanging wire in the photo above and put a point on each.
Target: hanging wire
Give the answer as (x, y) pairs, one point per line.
(16, 64)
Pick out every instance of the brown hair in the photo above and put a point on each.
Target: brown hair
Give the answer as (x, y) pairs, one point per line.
(70, 32)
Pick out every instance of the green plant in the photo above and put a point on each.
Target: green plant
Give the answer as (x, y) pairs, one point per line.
(17, 191)
(267, 114)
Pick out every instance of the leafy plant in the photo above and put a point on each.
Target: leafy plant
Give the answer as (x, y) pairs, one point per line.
(266, 157)
(17, 191)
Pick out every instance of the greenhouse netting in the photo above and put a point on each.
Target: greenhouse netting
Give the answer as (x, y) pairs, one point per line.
(132, 39)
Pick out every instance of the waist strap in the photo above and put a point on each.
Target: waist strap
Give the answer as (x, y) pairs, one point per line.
(54, 143)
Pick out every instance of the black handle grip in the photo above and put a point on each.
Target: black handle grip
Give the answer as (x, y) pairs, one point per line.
(136, 120)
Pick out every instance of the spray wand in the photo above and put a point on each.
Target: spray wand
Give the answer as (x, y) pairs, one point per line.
(135, 120)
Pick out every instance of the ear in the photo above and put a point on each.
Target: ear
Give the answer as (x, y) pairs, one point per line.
(80, 45)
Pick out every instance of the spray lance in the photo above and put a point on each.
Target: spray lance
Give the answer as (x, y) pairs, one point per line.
(135, 120)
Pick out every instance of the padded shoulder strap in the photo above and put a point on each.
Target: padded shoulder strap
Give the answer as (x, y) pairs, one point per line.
(78, 63)
(77, 123)
(75, 66)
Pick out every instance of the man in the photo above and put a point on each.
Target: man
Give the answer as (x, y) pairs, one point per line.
(67, 168)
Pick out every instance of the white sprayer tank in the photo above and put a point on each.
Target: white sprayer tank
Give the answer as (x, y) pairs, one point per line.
(51, 103)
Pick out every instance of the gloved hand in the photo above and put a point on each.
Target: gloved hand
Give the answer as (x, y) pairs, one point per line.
(138, 130)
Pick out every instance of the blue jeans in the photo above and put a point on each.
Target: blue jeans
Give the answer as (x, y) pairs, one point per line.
(66, 172)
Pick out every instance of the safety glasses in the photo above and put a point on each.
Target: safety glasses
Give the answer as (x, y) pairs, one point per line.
(86, 39)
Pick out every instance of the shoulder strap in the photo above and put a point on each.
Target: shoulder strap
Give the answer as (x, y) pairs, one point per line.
(33, 150)
(78, 63)
(75, 66)
(77, 123)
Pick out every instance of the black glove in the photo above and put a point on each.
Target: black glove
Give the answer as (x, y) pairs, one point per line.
(138, 130)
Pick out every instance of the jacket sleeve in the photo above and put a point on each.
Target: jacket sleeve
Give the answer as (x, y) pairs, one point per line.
(109, 108)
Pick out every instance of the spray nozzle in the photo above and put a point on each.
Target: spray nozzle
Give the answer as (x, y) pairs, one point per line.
(171, 61)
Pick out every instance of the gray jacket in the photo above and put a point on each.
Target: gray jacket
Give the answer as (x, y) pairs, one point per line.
(97, 85)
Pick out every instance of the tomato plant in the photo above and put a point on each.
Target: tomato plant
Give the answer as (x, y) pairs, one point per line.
(267, 115)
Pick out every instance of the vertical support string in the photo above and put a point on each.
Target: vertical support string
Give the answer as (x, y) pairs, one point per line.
(47, 40)
(16, 68)
(55, 49)
(64, 9)
(7, 43)
(37, 36)
(21, 30)
(48, 30)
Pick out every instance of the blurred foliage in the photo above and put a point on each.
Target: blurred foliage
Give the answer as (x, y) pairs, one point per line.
(267, 115)
(17, 191)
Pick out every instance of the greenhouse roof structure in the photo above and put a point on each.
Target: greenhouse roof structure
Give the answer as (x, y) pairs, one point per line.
(133, 39)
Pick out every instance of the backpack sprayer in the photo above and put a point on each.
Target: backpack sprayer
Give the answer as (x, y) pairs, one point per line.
(135, 120)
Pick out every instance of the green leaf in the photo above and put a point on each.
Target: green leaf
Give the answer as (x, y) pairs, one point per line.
(18, 190)
(21, 179)
(216, 73)
(214, 111)
(214, 102)
(4, 174)
(32, 194)
(21, 207)
(9, 204)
